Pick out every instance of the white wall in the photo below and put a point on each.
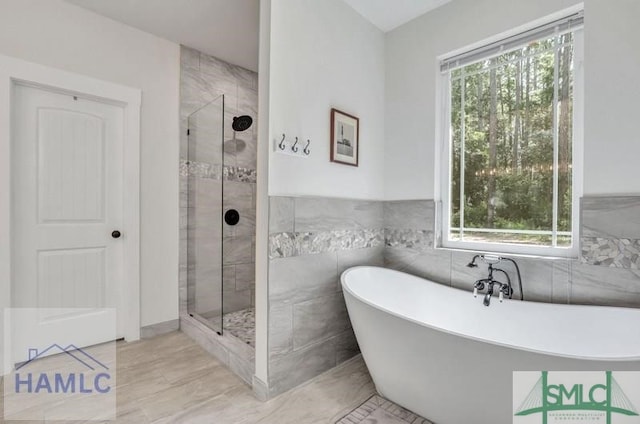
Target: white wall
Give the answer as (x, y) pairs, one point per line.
(57, 34)
(324, 55)
(612, 87)
(612, 78)
(262, 204)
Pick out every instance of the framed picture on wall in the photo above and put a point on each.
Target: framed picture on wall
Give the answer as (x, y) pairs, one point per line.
(345, 130)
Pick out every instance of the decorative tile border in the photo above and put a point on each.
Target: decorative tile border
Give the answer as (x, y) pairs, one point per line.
(213, 171)
(239, 174)
(282, 245)
(199, 169)
(614, 253)
(379, 410)
(409, 239)
(287, 244)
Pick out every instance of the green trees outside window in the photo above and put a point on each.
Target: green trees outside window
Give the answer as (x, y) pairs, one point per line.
(511, 120)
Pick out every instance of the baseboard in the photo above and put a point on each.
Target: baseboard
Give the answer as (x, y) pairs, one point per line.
(160, 328)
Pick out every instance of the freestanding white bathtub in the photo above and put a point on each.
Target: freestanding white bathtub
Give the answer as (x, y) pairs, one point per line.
(441, 353)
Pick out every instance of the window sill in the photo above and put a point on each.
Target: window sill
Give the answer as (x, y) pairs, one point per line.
(572, 256)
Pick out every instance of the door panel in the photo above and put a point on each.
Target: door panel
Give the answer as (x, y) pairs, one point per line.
(66, 201)
(71, 278)
(70, 166)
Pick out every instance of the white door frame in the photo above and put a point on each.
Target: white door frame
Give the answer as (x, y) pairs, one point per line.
(14, 71)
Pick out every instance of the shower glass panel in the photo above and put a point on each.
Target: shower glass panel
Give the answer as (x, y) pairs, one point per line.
(204, 227)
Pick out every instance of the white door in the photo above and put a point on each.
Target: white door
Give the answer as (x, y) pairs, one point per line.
(67, 185)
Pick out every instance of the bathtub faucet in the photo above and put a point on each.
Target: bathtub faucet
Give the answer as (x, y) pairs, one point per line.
(505, 289)
(490, 282)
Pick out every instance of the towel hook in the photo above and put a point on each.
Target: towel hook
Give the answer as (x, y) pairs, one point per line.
(294, 148)
(306, 149)
(281, 144)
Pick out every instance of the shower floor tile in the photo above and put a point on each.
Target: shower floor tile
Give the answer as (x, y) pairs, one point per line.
(242, 324)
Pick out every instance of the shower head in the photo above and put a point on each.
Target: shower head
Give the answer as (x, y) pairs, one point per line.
(473, 263)
(241, 123)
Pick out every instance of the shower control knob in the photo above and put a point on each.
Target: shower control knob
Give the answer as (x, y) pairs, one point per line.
(116, 234)
(231, 217)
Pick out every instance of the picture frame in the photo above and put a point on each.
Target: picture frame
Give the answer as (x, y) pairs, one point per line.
(345, 138)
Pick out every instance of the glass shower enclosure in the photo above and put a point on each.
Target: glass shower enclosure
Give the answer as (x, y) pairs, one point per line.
(205, 159)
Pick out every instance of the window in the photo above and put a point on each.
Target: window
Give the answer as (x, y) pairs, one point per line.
(511, 175)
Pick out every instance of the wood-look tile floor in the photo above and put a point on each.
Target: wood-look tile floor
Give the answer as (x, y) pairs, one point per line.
(170, 379)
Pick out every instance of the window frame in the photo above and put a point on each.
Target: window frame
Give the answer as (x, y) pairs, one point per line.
(443, 167)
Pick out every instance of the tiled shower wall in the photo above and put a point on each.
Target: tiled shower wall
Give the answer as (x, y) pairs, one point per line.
(202, 79)
(312, 240)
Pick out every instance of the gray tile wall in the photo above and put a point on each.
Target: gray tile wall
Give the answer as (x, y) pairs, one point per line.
(611, 231)
(203, 78)
(605, 274)
(409, 240)
(312, 240)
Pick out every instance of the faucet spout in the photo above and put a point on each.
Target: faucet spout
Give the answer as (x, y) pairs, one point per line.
(487, 296)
